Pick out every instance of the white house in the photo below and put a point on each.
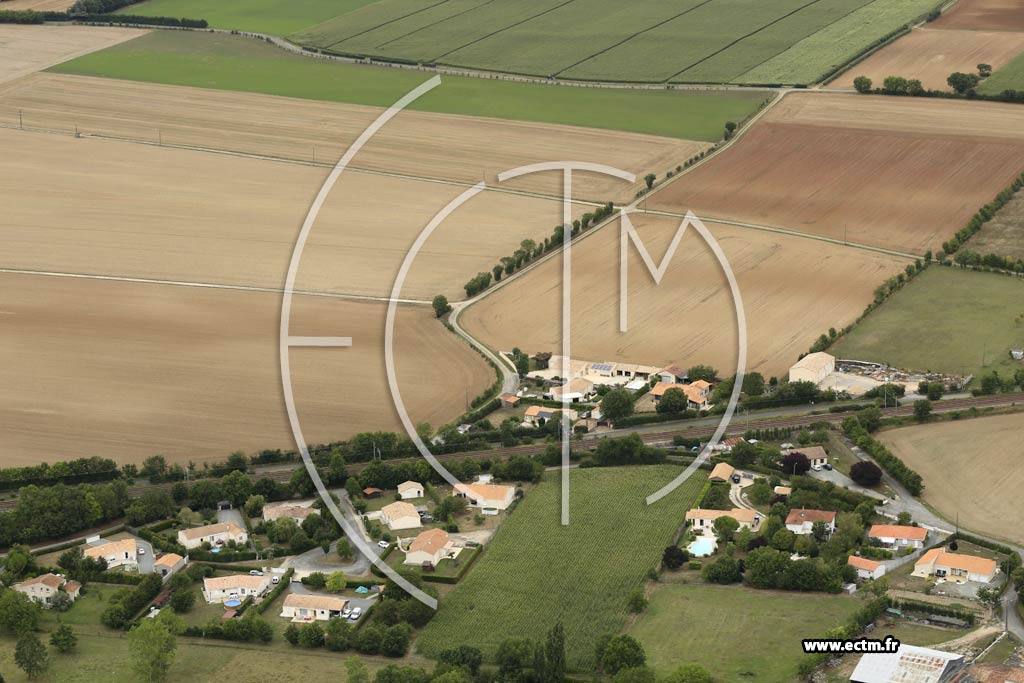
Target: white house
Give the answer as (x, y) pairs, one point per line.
(536, 416)
(910, 664)
(866, 569)
(813, 367)
(169, 563)
(673, 374)
(487, 496)
(898, 536)
(703, 520)
(574, 391)
(433, 545)
(697, 393)
(44, 588)
(239, 586)
(214, 534)
(122, 553)
(410, 489)
(400, 515)
(816, 455)
(298, 512)
(941, 564)
(306, 608)
(801, 521)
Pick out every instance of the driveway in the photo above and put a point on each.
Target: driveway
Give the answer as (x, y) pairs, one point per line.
(316, 561)
(146, 560)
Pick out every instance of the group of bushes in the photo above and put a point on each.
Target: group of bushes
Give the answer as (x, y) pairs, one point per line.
(977, 221)
(892, 464)
(126, 603)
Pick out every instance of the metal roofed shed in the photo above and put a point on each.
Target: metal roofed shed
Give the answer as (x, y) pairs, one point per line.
(909, 664)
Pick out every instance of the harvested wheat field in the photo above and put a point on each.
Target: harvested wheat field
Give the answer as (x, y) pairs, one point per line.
(117, 208)
(897, 173)
(457, 148)
(127, 370)
(25, 49)
(971, 468)
(38, 5)
(793, 290)
(930, 56)
(1004, 233)
(985, 15)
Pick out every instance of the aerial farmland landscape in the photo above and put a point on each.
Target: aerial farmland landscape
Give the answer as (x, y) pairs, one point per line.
(512, 341)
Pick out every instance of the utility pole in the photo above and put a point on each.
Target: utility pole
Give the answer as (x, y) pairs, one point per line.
(21, 121)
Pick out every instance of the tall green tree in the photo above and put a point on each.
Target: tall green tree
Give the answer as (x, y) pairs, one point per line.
(63, 639)
(152, 647)
(30, 655)
(554, 655)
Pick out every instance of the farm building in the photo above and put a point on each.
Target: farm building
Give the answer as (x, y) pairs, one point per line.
(801, 521)
(214, 534)
(168, 563)
(509, 400)
(371, 492)
(573, 391)
(814, 367)
(673, 374)
(307, 608)
(240, 586)
(705, 519)
(866, 569)
(487, 496)
(955, 567)
(897, 536)
(122, 553)
(293, 510)
(909, 663)
(433, 545)
(722, 472)
(400, 516)
(537, 415)
(783, 491)
(410, 489)
(44, 588)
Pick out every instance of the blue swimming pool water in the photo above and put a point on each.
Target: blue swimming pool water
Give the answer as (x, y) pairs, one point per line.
(701, 547)
(232, 603)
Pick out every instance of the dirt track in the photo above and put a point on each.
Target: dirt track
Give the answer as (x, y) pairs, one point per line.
(115, 208)
(892, 172)
(931, 56)
(971, 468)
(460, 148)
(25, 49)
(128, 370)
(793, 289)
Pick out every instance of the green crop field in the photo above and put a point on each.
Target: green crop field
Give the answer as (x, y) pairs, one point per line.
(737, 634)
(537, 572)
(689, 41)
(1010, 77)
(945, 320)
(820, 53)
(264, 16)
(226, 62)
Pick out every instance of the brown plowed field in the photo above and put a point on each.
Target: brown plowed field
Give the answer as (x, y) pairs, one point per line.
(128, 370)
(931, 56)
(898, 173)
(116, 208)
(25, 49)
(793, 290)
(985, 15)
(971, 468)
(459, 148)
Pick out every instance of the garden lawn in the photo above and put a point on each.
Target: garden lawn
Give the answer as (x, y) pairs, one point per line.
(945, 320)
(536, 572)
(263, 16)
(226, 62)
(737, 634)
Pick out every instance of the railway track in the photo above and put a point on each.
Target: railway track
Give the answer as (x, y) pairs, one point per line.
(649, 438)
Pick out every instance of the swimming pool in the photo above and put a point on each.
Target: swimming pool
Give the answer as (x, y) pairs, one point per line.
(701, 547)
(232, 603)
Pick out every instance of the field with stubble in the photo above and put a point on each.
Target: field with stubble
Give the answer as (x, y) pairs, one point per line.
(983, 15)
(793, 290)
(967, 461)
(127, 370)
(896, 173)
(26, 49)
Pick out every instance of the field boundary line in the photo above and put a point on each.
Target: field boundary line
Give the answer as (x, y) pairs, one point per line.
(209, 285)
(505, 28)
(631, 37)
(293, 160)
(435, 23)
(374, 28)
(785, 231)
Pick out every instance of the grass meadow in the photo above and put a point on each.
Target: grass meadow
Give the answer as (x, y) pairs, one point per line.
(1010, 77)
(945, 320)
(738, 634)
(537, 572)
(263, 16)
(236, 63)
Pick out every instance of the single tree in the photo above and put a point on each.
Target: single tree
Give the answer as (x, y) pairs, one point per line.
(984, 70)
(336, 582)
(152, 647)
(961, 82)
(63, 639)
(30, 655)
(637, 601)
(649, 179)
(862, 84)
(674, 557)
(922, 409)
(616, 404)
(672, 401)
(866, 473)
(356, 671)
(441, 306)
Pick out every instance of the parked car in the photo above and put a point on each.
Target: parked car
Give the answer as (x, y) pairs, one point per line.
(345, 611)
(472, 544)
(255, 572)
(356, 613)
(816, 468)
(383, 544)
(276, 580)
(735, 478)
(142, 551)
(427, 518)
(827, 466)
